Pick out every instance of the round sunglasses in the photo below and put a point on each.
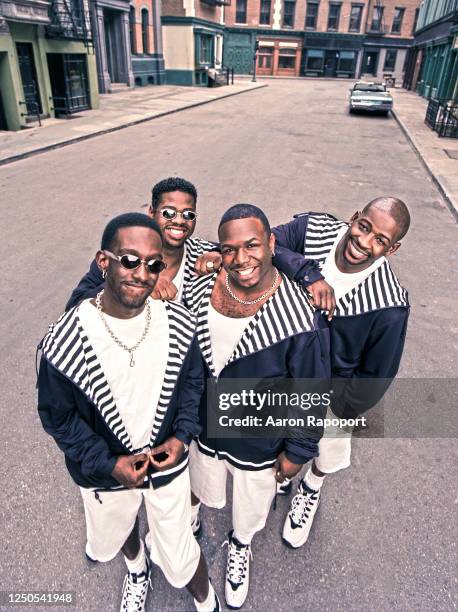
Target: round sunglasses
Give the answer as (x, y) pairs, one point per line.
(170, 213)
(132, 262)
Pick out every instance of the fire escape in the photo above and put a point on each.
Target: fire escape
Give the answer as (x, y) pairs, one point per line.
(70, 20)
(375, 27)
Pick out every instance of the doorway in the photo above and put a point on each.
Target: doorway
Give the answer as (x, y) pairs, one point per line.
(370, 62)
(29, 78)
(330, 64)
(69, 82)
(114, 45)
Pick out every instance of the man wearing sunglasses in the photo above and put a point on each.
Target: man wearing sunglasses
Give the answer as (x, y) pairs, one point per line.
(119, 387)
(173, 207)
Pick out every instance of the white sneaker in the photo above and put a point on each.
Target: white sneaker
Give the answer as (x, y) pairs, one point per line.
(135, 590)
(196, 527)
(300, 517)
(285, 487)
(237, 572)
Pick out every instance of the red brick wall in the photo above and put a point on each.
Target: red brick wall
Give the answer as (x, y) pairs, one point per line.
(205, 11)
(253, 8)
(173, 8)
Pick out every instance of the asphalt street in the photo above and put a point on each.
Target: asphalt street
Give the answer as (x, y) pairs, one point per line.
(385, 534)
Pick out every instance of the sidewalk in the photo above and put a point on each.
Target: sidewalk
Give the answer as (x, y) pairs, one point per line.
(439, 155)
(116, 112)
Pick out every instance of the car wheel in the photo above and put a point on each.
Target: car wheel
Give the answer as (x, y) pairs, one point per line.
(351, 110)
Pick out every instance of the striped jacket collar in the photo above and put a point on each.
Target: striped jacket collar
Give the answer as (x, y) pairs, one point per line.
(381, 289)
(67, 348)
(194, 247)
(287, 313)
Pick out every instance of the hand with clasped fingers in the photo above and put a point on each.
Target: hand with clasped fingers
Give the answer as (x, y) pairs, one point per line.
(130, 470)
(166, 455)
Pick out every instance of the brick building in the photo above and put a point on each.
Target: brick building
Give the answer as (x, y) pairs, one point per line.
(192, 32)
(145, 32)
(346, 38)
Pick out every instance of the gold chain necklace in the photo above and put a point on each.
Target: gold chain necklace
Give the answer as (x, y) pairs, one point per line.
(258, 299)
(98, 303)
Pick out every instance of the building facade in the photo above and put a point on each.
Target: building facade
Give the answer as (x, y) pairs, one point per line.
(146, 49)
(192, 32)
(432, 63)
(47, 62)
(345, 38)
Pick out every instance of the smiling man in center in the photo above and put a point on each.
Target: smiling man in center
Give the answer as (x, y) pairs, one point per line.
(252, 322)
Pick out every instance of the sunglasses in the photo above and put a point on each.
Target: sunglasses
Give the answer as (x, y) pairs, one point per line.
(170, 213)
(132, 262)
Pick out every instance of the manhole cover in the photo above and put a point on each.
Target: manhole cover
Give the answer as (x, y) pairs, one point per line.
(452, 153)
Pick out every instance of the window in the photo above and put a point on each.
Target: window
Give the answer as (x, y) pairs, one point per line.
(390, 60)
(264, 15)
(265, 55)
(289, 9)
(145, 32)
(205, 49)
(133, 46)
(397, 20)
(287, 58)
(315, 59)
(377, 19)
(346, 61)
(240, 11)
(415, 20)
(334, 16)
(311, 16)
(355, 17)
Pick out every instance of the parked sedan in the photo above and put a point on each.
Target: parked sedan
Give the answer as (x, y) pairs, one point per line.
(372, 97)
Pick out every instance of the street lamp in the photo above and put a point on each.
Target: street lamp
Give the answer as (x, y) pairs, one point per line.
(256, 48)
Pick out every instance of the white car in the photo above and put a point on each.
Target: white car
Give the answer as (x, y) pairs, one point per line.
(372, 97)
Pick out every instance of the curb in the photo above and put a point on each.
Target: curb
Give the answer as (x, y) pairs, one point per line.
(64, 143)
(442, 190)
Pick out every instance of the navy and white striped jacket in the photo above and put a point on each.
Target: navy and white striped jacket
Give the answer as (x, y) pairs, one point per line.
(77, 408)
(370, 322)
(284, 339)
(92, 282)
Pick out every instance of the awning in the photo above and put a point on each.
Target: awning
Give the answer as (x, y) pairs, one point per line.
(315, 53)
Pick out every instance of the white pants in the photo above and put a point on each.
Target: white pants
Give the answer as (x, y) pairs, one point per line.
(252, 495)
(334, 450)
(173, 546)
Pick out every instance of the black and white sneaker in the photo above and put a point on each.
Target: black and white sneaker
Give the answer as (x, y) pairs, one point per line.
(196, 527)
(285, 487)
(300, 517)
(237, 572)
(135, 590)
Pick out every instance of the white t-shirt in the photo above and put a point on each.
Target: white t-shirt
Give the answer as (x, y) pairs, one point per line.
(136, 389)
(179, 278)
(225, 333)
(343, 282)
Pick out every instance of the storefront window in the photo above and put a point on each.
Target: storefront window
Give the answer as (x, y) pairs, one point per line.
(346, 61)
(287, 58)
(315, 59)
(265, 57)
